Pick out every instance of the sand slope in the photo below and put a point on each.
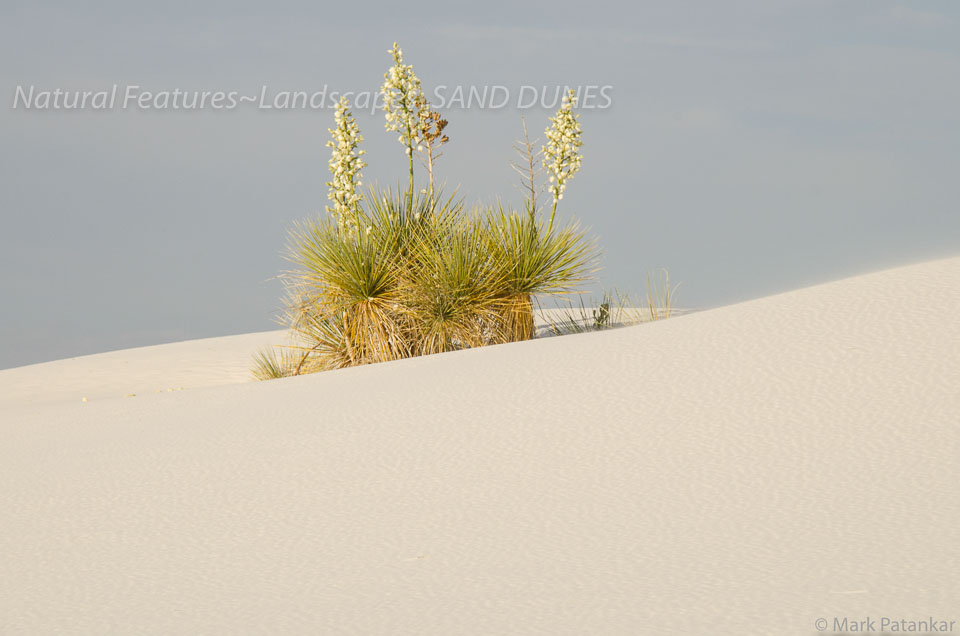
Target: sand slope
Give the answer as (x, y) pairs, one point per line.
(744, 470)
(169, 367)
(178, 366)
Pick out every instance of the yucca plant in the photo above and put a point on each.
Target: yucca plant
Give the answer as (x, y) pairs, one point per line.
(396, 222)
(392, 274)
(534, 260)
(319, 343)
(452, 288)
(344, 281)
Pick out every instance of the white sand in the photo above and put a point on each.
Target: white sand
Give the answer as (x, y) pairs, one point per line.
(744, 470)
(170, 367)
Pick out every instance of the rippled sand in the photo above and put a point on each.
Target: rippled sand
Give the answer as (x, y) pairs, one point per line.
(743, 470)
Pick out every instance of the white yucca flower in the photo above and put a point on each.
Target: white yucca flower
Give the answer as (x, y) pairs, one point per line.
(401, 94)
(345, 166)
(561, 155)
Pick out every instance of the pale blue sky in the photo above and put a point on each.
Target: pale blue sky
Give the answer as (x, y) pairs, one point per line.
(751, 148)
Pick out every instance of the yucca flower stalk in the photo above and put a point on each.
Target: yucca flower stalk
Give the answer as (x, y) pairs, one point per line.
(345, 166)
(431, 127)
(527, 168)
(401, 95)
(561, 155)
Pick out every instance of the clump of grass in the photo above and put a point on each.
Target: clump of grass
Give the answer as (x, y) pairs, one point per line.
(276, 362)
(268, 365)
(586, 315)
(614, 309)
(660, 295)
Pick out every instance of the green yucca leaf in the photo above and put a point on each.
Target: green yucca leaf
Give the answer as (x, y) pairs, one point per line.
(536, 261)
(453, 286)
(341, 268)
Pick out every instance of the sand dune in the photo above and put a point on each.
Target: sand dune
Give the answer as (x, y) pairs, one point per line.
(743, 470)
(170, 367)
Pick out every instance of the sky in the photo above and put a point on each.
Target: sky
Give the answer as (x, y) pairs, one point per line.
(749, 147)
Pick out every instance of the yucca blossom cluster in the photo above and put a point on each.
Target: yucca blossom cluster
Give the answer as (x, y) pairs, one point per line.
(345, 166)
(561, 155)
(401, 95)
